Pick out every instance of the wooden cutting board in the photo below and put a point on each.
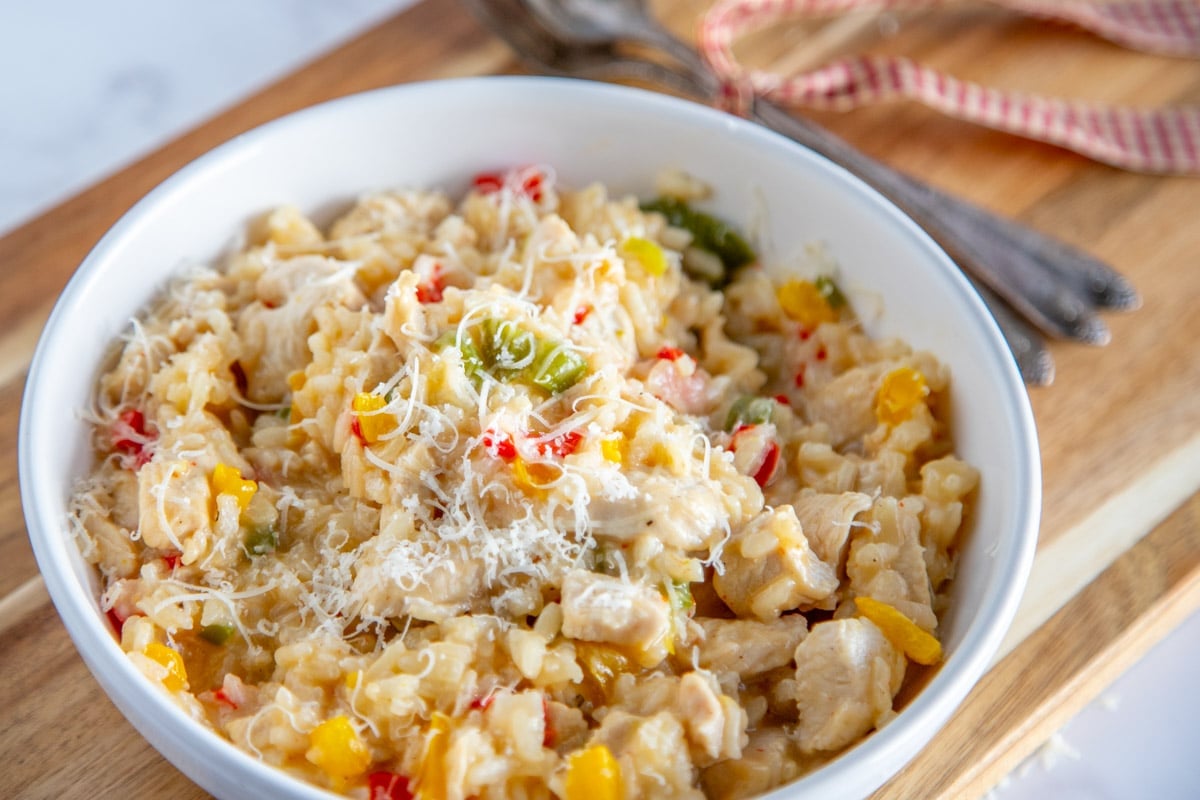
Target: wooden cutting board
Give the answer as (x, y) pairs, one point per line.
(1119, 561)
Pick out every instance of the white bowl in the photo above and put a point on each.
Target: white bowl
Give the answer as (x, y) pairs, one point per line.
(437, 135)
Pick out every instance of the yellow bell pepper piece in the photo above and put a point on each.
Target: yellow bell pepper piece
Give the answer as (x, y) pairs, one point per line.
(336, 747)
(431, 775)
(902, 389)
(593, 774)
(917, 643)
(176, 677)
(803, 302)
(228, 480)
(532, 478)
(646, 253)
(373, 425)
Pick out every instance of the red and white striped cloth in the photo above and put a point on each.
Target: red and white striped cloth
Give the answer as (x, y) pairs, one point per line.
(1165, 140)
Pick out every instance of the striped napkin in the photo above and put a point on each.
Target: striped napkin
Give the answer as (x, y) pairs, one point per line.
(1164, 140)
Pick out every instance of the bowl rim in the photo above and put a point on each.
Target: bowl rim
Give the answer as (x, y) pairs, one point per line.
(167, 726)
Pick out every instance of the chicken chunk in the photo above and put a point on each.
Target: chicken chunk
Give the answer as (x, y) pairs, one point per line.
(274, 332)
(887, 561)
(846, 676)
(846, 404)
(827, 519)
(174, 498)
(748, 647)
(653, 755)
(599, 608)
(769, 760)
(390, 581)
(694, 516)
(944, 484)
(714, 723)
(770, 568)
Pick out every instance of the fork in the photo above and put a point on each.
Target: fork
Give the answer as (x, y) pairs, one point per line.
(1051, 284)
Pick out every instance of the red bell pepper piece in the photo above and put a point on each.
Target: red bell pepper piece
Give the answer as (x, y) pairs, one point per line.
(383, 785)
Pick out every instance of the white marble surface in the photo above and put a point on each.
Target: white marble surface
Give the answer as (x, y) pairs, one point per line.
(89, 86)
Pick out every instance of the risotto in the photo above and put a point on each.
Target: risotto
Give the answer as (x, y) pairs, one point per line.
(536, 493)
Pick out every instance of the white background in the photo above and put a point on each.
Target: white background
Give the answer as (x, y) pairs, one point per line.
(87, 86)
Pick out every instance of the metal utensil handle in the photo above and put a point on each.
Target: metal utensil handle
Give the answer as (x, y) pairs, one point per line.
(1034, 362)
(1018, 263)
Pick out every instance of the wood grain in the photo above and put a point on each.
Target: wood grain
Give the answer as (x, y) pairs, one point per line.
(1063, 665)
(1120, 428)
(61, 737)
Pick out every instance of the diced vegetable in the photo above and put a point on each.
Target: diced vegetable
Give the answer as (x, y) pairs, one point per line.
(917, 643)
(176, 677)
(804, 302)
(388, 786)
(770, 462)
(431, 776)
(507, 348)
(218, 633)
(562, 445)
(681, 596)
(500, 445)
(261, 540)
(678, 595)
(708, 233)
(228, 480)
(757, 452)
(557, 367)
(484, 702)
(524, 181)
(532, 477)
(338, 749)
(531, 185)
(612, 450)
(647, 253)
(602, 662)
(467, 352)
(830, 291)
(371, 423)
(668, 353)
(430, 291)
(488, 182)
(593, 774)
(512, 353)
(135, 422)
(748, 410)
(116, 620)
(129, 436)
(899, 394)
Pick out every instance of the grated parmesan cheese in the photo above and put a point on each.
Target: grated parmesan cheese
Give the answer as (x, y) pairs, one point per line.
(479, 559)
